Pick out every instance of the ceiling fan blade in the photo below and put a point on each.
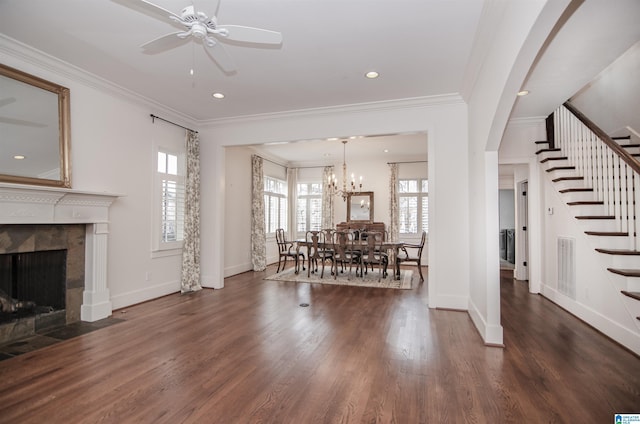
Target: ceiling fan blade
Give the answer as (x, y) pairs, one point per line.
(251, 35)
(7, 101)
(151, 8)
(164, 43)
(219, 55)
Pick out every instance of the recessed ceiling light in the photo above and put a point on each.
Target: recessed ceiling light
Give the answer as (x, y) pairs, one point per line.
(372, 74)
(19, 157)
(218, 95)
(333, 139)
(523, 93)
(386, 150)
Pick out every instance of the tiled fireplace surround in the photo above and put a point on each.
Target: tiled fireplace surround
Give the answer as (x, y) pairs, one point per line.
(41, 218)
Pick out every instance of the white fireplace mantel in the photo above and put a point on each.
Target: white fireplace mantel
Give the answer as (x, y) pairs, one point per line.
(23, 204)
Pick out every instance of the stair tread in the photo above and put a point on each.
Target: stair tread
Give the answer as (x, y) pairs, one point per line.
(547, 151)
(556, 180)
(545, 160)
(595, 217)
(635, 295)
(586, 203)
(625, 272)
(629, 146)
(607, 233)
(622, 252)
(541, 142)
(575, 189)
(560, 168)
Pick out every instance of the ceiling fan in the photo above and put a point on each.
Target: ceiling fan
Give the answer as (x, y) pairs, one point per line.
(198, 25)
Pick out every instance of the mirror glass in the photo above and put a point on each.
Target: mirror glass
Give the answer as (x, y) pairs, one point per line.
(34, 130)
(360, 207)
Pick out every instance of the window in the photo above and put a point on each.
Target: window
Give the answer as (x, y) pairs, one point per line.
(275, 204)
(413, 205)
(169, 226)
(309, 208)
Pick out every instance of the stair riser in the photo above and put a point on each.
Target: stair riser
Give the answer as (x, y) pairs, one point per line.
(577, 196)
(607, 225)
(546, 155)
(633, 306)
(631, 284)
(582, 210)
(606, 242)
(561, 185)
(622, 261)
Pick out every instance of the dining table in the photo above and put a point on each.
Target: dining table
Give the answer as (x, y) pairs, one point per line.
(390, 246)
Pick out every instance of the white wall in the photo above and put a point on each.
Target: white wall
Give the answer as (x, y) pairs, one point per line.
(112, 151)
(510, 38)
(612, 99)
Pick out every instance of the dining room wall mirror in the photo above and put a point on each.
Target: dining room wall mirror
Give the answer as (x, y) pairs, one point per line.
(35, 130)
(360, 207)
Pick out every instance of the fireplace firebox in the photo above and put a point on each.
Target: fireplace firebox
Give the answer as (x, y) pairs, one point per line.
(36, 281)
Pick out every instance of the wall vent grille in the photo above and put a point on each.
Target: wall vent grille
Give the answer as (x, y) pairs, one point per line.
(567, 267)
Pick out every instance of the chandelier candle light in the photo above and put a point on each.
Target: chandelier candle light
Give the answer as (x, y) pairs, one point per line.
(333, 181)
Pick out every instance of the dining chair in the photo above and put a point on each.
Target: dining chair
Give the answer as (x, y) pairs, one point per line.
(344, 252)
(414, 256)
(374, 255)
(286, 249)
(318, 249)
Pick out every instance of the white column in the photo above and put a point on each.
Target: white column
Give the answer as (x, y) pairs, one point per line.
(96, 303)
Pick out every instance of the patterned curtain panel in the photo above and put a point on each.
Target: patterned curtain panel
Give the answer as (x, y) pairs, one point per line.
(258, 232)
(327, 199)
(393, 203)
(292, 186)
(190, 277)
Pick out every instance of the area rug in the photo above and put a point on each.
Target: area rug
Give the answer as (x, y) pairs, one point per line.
(369, 280)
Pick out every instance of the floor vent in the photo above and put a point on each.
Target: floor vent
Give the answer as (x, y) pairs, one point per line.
(567, 267)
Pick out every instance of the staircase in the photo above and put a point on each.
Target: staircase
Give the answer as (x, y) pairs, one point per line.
(599, 181)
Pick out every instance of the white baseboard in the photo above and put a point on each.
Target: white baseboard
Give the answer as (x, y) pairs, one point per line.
(142, 295)
(491, 334)
(612, 329)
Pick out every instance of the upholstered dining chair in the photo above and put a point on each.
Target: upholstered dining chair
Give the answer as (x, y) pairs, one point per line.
(286, 249)
(414, 255)
(344, 252)
(374, 255)
(319, 249)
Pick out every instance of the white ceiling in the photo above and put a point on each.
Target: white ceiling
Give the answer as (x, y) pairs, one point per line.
(419, 47)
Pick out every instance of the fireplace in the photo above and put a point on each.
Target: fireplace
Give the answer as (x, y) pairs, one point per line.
(39, 219)
(33, 282)
(43, 264)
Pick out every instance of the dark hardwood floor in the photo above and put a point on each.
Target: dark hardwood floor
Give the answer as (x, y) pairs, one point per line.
(250, 353)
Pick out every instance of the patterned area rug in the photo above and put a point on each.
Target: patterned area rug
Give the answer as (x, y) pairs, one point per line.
(369, 280)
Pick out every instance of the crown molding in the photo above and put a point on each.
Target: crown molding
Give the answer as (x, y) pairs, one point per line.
(398, 104)
(25, 53)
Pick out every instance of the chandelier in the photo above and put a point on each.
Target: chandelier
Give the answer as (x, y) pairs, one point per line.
(345, 191)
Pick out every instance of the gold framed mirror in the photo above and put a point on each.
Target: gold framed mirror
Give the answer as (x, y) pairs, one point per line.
(360, 207)
(35, 128)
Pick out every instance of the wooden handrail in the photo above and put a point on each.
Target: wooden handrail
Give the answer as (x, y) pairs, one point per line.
(624, 155)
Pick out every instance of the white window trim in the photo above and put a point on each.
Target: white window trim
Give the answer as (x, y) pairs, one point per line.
(281, 197)
(159, 248)
(308, 198)
(419, 195)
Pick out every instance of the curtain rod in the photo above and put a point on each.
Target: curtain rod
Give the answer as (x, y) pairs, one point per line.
(411, 161)
(154, 117)
(310, 167)
(274, 162)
